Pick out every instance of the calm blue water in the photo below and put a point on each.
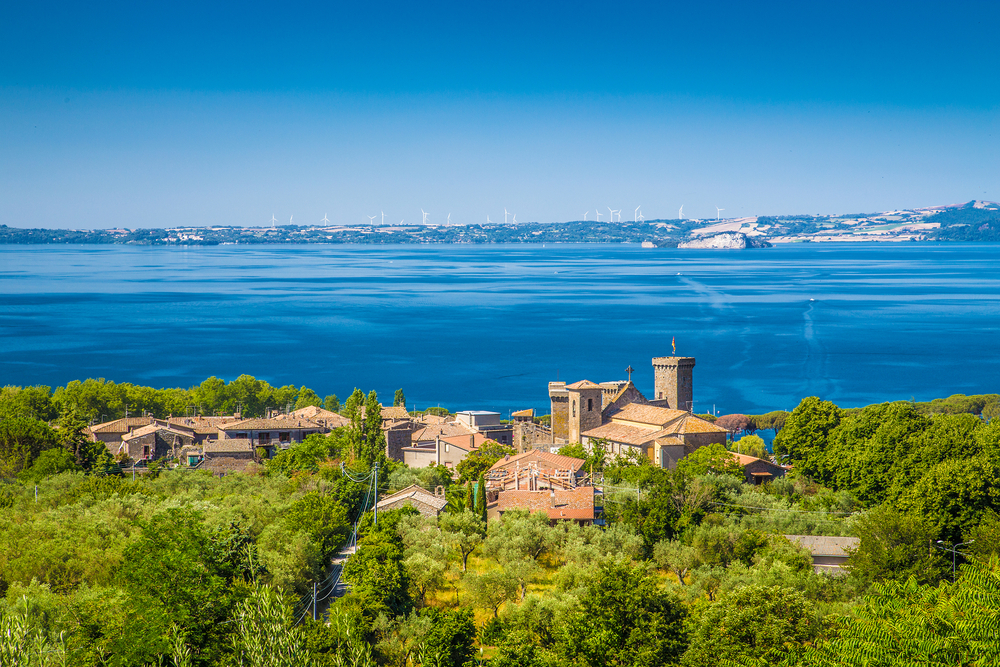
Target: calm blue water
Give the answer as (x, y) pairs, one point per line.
(486, 327)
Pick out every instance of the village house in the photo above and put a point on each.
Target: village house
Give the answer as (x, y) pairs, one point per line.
(829, 554)
(536, 470)
(487, 423)
(318, 415)
(758, 471)
(662, 435)
(575, 504)
(270, 434)
(155, 441)
(425, 502)
(110, 433)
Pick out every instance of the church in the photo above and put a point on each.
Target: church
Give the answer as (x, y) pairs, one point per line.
(617, 416)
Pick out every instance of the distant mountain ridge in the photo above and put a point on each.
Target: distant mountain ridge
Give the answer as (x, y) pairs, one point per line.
(974, 221)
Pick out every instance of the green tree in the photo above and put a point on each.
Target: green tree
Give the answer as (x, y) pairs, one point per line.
(50, 462)
(264, 635)
(491, 588)
(306, 398)
(21, 441)
(481, 497)
(376, 573)
(893, 545)
(804, 435)
(323, 517)
(624, 618)
(372, 442)
(465, 531)
(676, 557)
(714, 458)
(28, 403)
(953, 496)
(771, 624)
(332, 403)
(450, 640)
(752, 445)
(399, 400)
(479, 461)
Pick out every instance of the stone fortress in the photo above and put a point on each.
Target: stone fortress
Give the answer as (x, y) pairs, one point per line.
(618, 415)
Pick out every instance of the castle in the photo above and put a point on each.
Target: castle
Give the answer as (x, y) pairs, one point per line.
(623, 420)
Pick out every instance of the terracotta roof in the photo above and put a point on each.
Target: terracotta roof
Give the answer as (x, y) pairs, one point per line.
(121, 425)
(204, 425)
(649, 414)
(153, 428)
(583, 384)
(444, 430)
(825, 545)
(418, 494)
(433, 419)
(395, 412)
(693, 424)
(575, 503)
(270, 425)
(555, 461)
(228, 445)
(630, 435)
(315, 413)
(463, 440)
(530, 412)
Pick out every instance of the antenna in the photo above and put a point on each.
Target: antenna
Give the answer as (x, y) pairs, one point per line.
(425, 216)
(718, 211)
(680, 213)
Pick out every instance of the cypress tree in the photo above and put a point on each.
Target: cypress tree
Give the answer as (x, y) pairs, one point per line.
(481, 497)
(468, 496)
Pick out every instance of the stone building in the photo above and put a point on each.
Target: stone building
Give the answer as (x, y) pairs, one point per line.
(758, 471)
(425, 502)
(674, 382)
(270, 434)
(536, 470)
(662, 435)
(318, 415)
(576, 504)
(487, 423)
(156, 441)
(110, 433)
(830, 554)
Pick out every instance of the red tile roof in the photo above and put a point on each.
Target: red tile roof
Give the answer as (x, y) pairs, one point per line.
(553, 461)
(575, 503)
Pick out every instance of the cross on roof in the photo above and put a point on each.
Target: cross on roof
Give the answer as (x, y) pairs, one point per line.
(630, 370)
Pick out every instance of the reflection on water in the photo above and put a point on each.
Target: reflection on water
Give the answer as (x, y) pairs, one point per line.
(487, 326)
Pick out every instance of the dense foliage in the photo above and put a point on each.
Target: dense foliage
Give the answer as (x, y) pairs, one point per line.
(693, 566)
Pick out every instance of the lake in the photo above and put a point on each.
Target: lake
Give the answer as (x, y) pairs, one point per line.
(487, 326)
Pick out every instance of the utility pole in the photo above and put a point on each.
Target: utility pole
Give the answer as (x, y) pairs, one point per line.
(376, 493)
(314, 600)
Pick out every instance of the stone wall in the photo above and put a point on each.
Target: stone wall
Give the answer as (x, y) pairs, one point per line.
(674, 381)
(559, 400)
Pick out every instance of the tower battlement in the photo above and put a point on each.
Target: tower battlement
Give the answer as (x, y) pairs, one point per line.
(674, 381)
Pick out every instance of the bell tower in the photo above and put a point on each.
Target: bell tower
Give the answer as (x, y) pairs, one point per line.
(674, 378)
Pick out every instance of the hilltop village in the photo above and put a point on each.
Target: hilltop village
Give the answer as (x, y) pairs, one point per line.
(614, 418)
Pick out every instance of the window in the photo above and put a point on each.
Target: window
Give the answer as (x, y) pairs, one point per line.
(264, 438)
(574, 408)
(590, 405)
(447, 448)
(284, 436)
(145, 451)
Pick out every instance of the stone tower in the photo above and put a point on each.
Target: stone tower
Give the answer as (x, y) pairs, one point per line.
(674, 381)
(575, 408)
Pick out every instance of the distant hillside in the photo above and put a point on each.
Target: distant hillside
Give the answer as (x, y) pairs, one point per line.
(968, 223)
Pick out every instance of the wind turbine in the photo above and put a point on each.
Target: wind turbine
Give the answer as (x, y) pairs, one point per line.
(505, 215)
(424, 222)
(718, 211)
(290, 219)
(273, 220)
(513, 220)
(680, 213)
(585, 214)
(611, 214)
(619, 212)
(642, 218)
(598, 214)
(488, 221)
(637, 213)
(325, 219)
(371, 219)
(449, 219)
(383, 217)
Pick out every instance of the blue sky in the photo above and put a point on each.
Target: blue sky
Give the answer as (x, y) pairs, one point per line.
(161, 114)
